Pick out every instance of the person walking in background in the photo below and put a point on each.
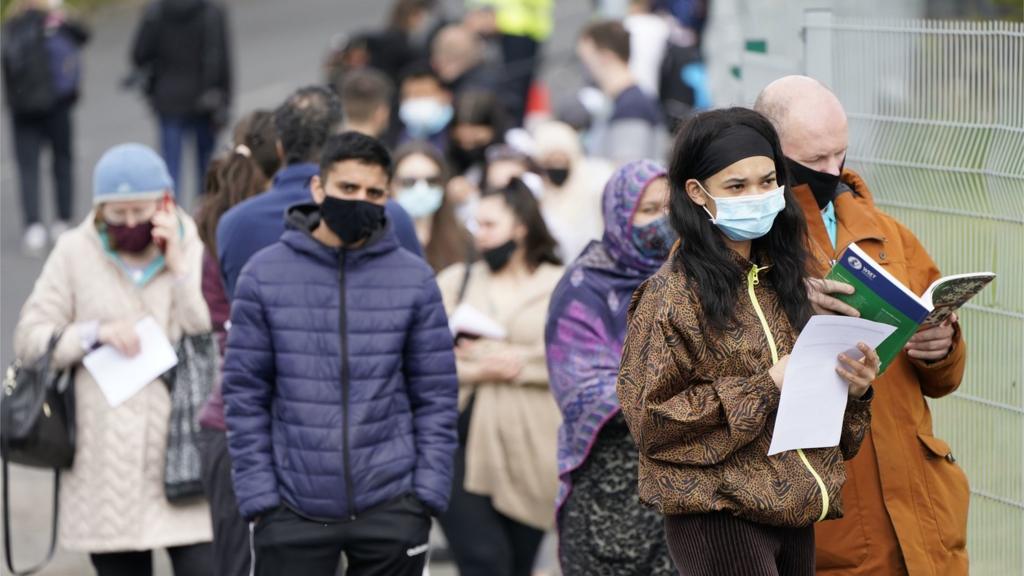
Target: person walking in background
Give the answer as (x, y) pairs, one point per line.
(42, 73)
(183, 50)
(572, 187)
(457, 55)
(523, 26)
(901, 462)
(706, 349)
(479, 123)
(506, 476)
(425, 110)
(101, 278)
(631, 127)
(366, 102)
(603, 528)
(418, 186)
(339, 383)
(243, 172)
(303, 123)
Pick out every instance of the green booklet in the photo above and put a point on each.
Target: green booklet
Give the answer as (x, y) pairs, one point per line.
(879, 296)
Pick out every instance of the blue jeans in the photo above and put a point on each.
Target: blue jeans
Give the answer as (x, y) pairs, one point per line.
(173, 130)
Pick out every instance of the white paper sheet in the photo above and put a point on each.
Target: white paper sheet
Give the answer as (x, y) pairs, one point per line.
(468, 320)
(813, 395)
(120, 377)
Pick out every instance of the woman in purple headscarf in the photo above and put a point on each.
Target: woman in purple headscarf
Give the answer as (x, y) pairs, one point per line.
(603, 527)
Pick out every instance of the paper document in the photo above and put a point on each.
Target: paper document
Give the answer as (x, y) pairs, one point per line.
(813, 395)
(121, 377)
(468, 320)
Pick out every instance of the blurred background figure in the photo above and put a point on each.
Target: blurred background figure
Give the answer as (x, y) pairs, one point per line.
(418, 185)
(505, 478)
(366, 102)
(572, 187)
(182, 52)
(457, 55)
(628, 123)
(586, 327)
(479, 122)
(425, 111)
(244, 171)
(648, 39)
(42, 75)
(522, 26)
(102, 278)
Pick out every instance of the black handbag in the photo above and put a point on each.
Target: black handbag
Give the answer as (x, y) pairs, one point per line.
(190, 383)
(37, 429)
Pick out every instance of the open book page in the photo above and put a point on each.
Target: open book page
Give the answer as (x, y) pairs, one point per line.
(948, 294)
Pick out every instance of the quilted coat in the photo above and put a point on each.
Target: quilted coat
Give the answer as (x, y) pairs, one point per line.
(339, 378)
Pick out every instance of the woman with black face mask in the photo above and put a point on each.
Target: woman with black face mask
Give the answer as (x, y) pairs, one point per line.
(506, 477)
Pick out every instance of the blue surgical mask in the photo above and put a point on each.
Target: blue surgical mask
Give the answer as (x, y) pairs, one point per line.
(747, 217)
(654, 240)
(424, 117)
(420, 199)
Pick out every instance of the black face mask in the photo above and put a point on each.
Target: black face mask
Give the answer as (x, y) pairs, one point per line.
(823, 185)
(463, 159)
(497, 258)
(558, 176)
(352, 220)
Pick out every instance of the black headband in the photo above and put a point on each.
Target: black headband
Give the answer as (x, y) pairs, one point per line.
(734, 144)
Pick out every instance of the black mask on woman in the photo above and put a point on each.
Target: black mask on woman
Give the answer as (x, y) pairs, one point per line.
(558, 176)
(352, 220)
(465, 158)
(497, 258)
(823, 185)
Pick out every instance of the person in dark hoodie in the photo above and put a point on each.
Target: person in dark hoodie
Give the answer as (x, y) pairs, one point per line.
(339, 383)
(184, 51)
(304, 122)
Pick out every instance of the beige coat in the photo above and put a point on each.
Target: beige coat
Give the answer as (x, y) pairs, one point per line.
(113, 497)
(513, 435)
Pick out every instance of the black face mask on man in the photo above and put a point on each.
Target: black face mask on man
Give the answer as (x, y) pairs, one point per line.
(558, 176)
(498, 257)
(822, 184)
(352, 220)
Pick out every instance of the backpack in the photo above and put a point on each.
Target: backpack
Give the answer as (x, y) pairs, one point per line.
(65, 64)
(26, 65)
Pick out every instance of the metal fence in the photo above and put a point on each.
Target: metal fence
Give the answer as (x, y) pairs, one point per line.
(936, 114)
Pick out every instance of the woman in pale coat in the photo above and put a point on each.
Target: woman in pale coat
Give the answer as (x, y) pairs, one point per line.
(101, 278)
(506, 472)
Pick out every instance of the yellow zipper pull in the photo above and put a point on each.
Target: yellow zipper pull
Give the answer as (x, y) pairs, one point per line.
(752, 278)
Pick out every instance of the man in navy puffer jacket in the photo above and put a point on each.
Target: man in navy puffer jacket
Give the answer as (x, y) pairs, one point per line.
(339, 383)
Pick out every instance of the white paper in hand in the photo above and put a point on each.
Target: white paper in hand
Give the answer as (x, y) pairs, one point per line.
(120, 377)
(468, 320)
(813, 396)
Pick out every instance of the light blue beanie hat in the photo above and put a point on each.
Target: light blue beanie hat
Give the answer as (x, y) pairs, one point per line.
(130, 172)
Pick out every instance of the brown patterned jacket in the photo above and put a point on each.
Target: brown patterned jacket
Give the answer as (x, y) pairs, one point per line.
(702, 410)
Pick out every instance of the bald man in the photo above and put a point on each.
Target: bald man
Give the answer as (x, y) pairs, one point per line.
(457, 57)
(905, 500)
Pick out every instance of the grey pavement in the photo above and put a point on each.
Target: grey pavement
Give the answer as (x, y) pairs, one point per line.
(278, 46)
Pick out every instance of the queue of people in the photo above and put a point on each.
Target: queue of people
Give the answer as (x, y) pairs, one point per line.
(426, 312)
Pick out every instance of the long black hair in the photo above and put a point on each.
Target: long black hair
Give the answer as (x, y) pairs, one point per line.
(540, 245)
(705, 258)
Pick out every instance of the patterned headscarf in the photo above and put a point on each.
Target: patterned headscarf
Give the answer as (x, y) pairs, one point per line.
(621, 196)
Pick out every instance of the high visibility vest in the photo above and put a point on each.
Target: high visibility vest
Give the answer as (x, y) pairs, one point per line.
(532, 18)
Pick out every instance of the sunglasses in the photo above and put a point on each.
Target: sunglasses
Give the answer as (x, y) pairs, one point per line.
(410, 182)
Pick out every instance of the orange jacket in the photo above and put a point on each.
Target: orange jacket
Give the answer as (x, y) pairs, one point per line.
(905, 498)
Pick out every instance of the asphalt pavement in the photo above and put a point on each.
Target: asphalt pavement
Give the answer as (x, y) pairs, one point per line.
(278, 46)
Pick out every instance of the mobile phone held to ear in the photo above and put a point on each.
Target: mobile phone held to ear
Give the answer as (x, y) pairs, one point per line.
(166, 205)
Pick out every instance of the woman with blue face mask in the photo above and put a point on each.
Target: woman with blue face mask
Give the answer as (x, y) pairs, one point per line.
(704, 358)
(418, 185)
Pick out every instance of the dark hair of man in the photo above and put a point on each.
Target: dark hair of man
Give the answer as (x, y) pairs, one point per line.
(609, 35)
(711, 269)
(540, 245)
(304, 122)
(449, 243)
(354, 146)
(257, 132)
(234, 177)
(363, 92)
(421, 71)
(403, 11)
(480, 108)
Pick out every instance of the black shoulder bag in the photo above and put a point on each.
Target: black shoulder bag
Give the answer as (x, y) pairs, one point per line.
(37, 429)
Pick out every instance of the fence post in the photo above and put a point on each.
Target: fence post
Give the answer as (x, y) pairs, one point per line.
(818, 44)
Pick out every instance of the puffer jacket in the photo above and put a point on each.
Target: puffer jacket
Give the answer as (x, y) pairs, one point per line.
(339, 379)
(702, 409)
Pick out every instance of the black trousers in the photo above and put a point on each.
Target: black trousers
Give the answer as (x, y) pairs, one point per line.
(195, 560)
(31, 133)
(722, 545)
(521, 56)
(390, 540)
(231, 552)
(484, 541)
